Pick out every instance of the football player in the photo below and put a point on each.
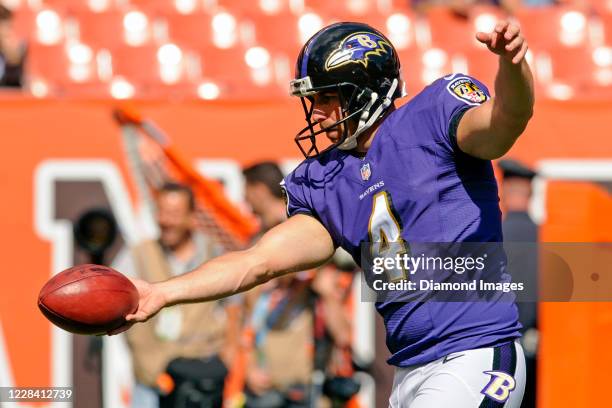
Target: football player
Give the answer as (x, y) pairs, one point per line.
(417, 173)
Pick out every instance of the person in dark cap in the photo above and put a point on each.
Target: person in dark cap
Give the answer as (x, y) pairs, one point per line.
(516, 194)
(12, 51)
(520, 237)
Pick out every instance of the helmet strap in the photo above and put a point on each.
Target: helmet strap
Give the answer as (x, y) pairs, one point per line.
(366, 120)
(351, 141)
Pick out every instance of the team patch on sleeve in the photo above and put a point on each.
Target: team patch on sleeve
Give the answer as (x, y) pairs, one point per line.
(467, 91)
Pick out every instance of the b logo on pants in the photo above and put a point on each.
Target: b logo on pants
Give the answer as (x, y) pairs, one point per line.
(499, 386)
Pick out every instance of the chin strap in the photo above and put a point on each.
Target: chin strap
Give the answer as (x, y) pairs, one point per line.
(366, 120)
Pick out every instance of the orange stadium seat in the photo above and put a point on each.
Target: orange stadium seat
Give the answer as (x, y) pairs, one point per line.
(254, 8)
(601, 6)
(137, 64)
(160, 7)
(225, 65)
(581, 67)
(229, 70)
(24, 21)
(606, 19)
(279, 32)
(337, 10)
(142, 68)
(49, 62)
(555, 26)
(399, 27)
(422, 67)
(63, 72)
(482, 65)
(484, 18)
(448, 30)
(190, 30)
(83, 5)
(103, 30)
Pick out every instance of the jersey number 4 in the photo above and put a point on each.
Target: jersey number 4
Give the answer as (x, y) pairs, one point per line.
(385, 234)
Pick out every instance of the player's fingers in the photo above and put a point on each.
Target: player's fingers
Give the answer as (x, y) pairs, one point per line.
(493, 42)
(484, 38)
(515, 44)
(511, 32)
(501, 26)
(136, 317)
(521, 54)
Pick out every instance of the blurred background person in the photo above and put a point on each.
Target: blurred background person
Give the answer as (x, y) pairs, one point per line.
(12, 51)
(515, 198)
(304, 319)
(183, 353)
(521, 237)
(279, 328)
(334, 317)
(264, 194)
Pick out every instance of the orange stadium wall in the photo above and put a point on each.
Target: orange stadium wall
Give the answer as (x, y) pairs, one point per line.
(36, 131)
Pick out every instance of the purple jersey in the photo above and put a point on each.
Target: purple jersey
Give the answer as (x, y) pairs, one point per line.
(415, 171)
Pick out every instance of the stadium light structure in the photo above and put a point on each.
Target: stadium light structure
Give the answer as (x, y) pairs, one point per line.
(434, 60)
(560, 91)
(358, 6)
(296, 6)
(48, 27)
(224, 30)
(79, 54)
(258, 59)
(39, 88)
(104, 65)
(80, 57)
(398, 27)
(270, 7)
(602, 56)
(12, 4)
(98, 6)
(120, 88)
(572, 28)
(170, 59)
(308, 24)
(169, 54)
(485, 22)
(208, 90)
(185, 6)
(135, 28)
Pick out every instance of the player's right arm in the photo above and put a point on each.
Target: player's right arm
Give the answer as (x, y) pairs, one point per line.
(297, 244)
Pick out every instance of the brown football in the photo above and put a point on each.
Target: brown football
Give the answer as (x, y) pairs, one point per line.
(88, 299)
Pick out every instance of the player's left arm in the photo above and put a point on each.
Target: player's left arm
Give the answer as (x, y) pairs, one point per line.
(488, 131)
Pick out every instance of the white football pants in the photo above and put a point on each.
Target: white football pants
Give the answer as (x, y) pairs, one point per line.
(491, 377)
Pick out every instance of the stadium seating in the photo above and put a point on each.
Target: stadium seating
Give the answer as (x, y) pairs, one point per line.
(448, 30)
(606, 20)
(481, 64)
(194, 30)
(558, 26)
(421, 67)
(104, 30)
(232, 49)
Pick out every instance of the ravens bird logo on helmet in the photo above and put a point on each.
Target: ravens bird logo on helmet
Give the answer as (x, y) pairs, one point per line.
(357, 48)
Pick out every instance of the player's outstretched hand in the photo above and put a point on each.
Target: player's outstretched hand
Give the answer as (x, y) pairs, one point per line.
(506, 41)
(151, 301)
